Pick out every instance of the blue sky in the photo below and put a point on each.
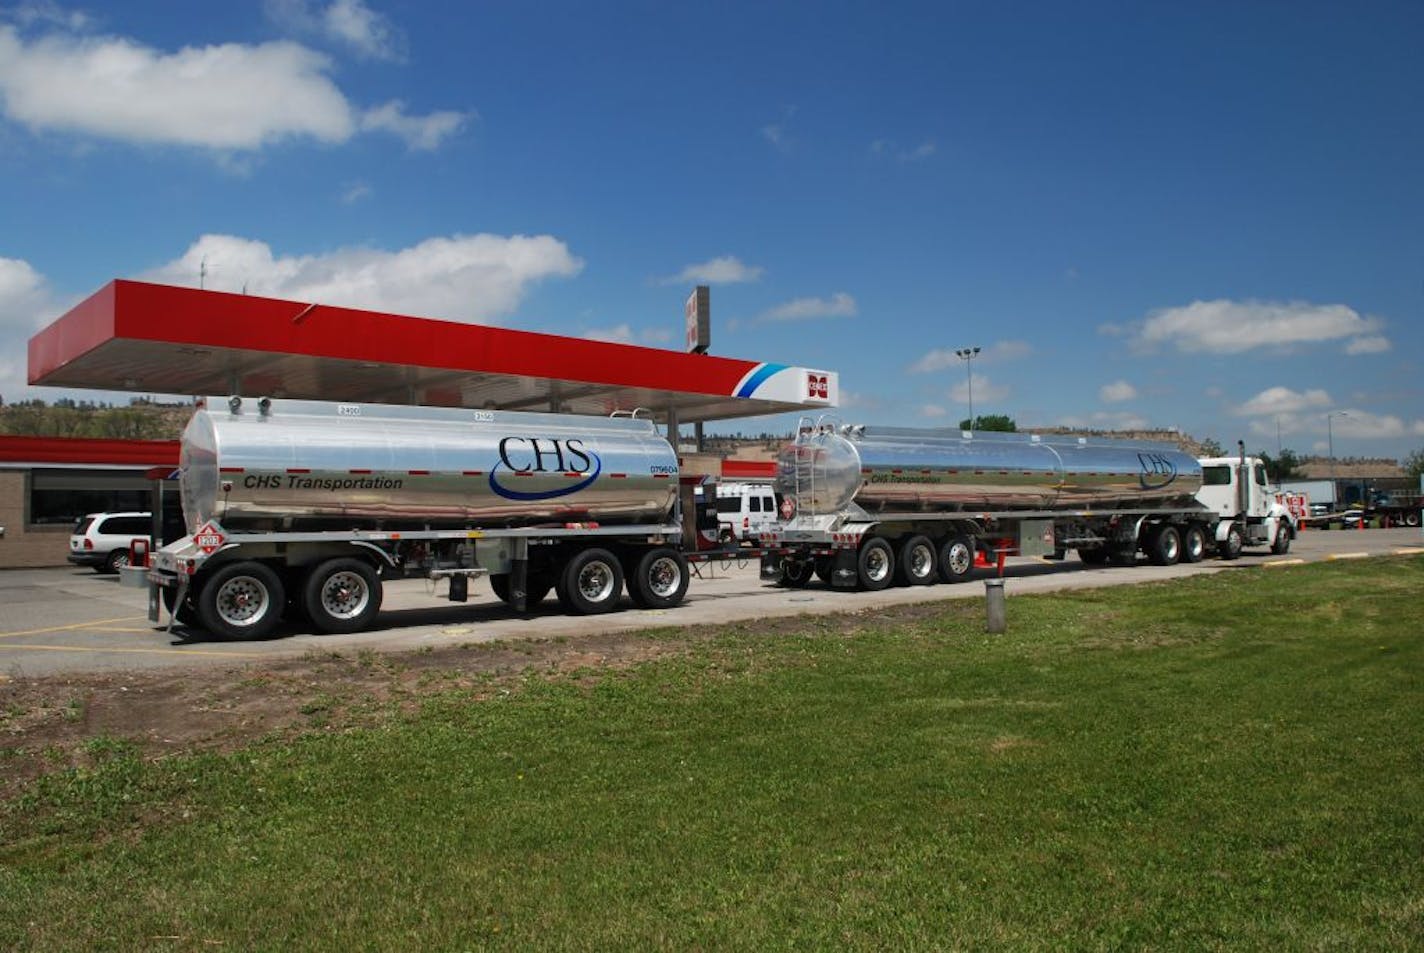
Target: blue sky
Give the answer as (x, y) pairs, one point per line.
(1205, 216)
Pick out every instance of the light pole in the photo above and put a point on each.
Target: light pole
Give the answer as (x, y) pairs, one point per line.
(967, 354)
(1330, 445)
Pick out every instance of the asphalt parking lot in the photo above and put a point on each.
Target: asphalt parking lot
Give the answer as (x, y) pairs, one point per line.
(72, 621)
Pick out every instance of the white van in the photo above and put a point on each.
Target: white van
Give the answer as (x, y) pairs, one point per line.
(745, 509)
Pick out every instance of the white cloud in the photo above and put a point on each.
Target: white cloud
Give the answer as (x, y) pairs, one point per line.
(473, 278)
(25, 297)
(421, 133)
(1371, 344)
(1346, 425)
(356, 192)
(624, 334)
(887, 147)
(27, 303)
(348, 22)
(838, 305)
(776, 132)
(1282, 400)
(228, 97)
(1233, 327)
(48, 13)
(941, 358)
(724, 270)
(984, 390)
(1117, 392)
(1105, 420)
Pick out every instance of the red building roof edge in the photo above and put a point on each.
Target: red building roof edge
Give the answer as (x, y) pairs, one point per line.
(91, 451)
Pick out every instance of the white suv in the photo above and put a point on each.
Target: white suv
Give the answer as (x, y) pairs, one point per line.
(102, 540)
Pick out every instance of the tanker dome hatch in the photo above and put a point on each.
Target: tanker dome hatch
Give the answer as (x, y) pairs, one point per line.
(156, 339)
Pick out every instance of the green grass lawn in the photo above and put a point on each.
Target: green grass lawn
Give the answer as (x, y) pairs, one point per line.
(1232, 761)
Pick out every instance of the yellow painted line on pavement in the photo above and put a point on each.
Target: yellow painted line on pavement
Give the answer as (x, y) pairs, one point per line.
(109, 651)
(73, 627)
(1348, 556)
(1409, 551)
(1283, 562)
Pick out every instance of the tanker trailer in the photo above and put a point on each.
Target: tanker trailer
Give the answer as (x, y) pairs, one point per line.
(863, 507)
(303, 507)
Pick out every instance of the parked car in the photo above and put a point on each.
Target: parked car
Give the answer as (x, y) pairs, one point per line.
(1350, 519)
(102, 540)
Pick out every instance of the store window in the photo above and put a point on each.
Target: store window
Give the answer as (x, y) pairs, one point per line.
(59, 497)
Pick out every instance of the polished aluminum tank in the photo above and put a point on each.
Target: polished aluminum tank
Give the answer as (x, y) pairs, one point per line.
(885, 469)
(294, 464)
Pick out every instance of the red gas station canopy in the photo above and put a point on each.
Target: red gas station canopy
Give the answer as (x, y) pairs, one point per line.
(157, 339)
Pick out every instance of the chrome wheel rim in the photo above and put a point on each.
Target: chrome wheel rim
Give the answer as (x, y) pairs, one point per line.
(664, 577)
(344, 595)
(959, 559)
(877, 564)
(595, 582)
(242, 601)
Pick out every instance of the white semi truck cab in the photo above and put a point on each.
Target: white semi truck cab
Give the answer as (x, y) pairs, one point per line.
(1238, 493)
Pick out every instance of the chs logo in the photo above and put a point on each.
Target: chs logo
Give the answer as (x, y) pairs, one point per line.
(531, 455)
(818, 386)
(1157, 471)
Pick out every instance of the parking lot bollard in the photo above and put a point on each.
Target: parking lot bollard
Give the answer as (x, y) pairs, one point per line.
(996, 620)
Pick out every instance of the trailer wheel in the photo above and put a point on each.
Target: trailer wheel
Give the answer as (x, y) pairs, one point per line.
(342, 595)
(1193, 543)
(1093, 557)
(1164, 547)
(592, 582)
(825, 569)
(956, 559)
(916, 563)
(182, 612)
(659, 581)
(1281, 544)
(241, 601)
(875, 565)
(1230, 547)
(537, 588)
(1411, 518)
(797, 573)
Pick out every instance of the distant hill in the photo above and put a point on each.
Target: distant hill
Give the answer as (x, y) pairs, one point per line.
(141, 420)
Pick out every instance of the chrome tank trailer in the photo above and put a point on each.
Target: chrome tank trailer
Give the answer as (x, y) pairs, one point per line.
(889, 469)
(297, 464)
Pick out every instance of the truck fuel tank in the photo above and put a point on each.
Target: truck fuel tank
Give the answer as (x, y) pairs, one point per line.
(889, 469)
(285, 464)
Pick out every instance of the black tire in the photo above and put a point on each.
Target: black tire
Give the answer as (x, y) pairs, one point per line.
(116, 560)
(184, 613)
(342, 595)
(592, 582)
(956, 559)
(1093, 557)
(1193, 543)
(875, 564)
(1230, 547)
(536, 588)
(659, 581)
(241, 600)
(1411, 518)
(1281, 544)
(1165, 546)
(915, 563)
(797, 573)
(825, 569)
